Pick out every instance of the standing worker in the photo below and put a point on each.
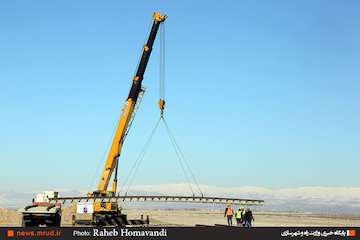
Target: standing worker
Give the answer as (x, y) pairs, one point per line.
(229, 213)
(248, 217)
(239, 217)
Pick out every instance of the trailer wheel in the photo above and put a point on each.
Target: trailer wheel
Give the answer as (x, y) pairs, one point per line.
(57, 220)
(26, 221)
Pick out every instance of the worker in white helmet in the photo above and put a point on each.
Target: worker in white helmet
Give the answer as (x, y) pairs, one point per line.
(229, 213)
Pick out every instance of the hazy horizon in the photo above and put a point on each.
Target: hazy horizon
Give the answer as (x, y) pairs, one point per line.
(324, 200)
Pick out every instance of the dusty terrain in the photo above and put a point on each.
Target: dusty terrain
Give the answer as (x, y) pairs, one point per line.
(191, 217)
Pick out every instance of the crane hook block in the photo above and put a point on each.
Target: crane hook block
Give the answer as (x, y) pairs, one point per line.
(158, 17)
(162, 105)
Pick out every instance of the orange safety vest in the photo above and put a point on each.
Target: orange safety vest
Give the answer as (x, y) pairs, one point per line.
(229, 211)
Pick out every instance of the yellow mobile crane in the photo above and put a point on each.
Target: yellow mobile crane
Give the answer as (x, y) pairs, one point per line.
(110, 210)
(104, 212)
(102, 203)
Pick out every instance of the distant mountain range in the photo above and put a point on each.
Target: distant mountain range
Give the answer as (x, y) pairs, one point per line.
(331, 200)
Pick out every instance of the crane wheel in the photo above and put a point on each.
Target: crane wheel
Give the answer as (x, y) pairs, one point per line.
(110, 219)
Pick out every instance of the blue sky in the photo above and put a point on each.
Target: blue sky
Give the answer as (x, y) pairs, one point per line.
(260, 93)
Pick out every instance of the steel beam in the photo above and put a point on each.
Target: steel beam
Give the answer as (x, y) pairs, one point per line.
(160, 198)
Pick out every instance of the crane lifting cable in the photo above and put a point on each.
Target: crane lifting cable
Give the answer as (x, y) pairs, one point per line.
(183, 163)
(162, 70)
(186, 169)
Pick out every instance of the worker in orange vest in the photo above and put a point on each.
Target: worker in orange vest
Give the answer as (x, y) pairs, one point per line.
(229, 213)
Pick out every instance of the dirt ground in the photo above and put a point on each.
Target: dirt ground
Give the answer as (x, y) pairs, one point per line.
(191, 217)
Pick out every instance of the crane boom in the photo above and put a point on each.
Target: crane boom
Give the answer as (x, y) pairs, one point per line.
(127, 111)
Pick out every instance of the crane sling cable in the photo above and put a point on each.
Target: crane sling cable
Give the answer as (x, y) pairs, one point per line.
(161, 106)
(183, 163)
(134, 169)
(138, 161)
(181, 155)
(176, 147)
(131, 175)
